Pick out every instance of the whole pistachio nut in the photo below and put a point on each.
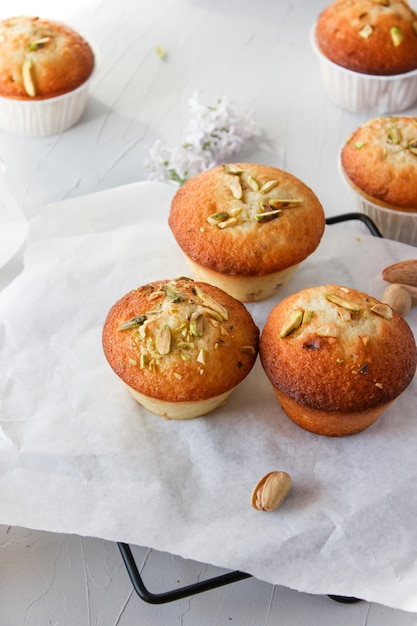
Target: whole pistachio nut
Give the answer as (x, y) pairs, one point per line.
(271, 491)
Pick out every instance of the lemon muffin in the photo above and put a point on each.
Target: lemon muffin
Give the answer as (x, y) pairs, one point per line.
(336, 358)
(379, 163)
(44, 71)
(180, 346)
(368, 53)
(246, 227)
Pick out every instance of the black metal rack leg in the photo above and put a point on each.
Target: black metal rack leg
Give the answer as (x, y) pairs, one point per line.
(175, 594)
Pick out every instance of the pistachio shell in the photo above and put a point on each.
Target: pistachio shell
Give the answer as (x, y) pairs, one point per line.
(271, 491)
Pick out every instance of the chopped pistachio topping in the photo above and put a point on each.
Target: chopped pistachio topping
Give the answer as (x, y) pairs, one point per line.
(347, 304)
(163, 340)
(412, 146)
(215, 218)
(173, 293)
(27, 76)
(394, 135)
(366, 31)
(196, 324)
(144, 361)
(39, 43)
(201, 357)
(397, 35)
(252, 183)
(211, 303)
(236, 187)
(230, 168)
(267, 216)
(276, 203)
(359, 144)
(383, 310)
(268, 186)
(231, 221)
(292, 323)
(133, 322)
(307, 316)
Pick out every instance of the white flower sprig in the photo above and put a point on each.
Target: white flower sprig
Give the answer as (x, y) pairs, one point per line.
(214, 134)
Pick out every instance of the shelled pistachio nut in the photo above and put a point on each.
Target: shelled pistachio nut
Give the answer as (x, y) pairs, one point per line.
(271, 491)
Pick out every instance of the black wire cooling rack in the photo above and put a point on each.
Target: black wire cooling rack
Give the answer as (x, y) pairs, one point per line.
(234, 576)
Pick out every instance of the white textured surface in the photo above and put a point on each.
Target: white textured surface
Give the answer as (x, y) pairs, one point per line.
(259, 55)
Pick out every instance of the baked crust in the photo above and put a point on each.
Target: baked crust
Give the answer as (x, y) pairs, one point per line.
(380, 159)
(246, 247)
(337, 359)
(359, 35)
(212, 346)
(60, 59)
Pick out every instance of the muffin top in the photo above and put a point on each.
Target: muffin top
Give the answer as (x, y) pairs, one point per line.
(180, 340)
(246, 219)
(369, 36)
(380, 159)
(333, 348)
(41, 59)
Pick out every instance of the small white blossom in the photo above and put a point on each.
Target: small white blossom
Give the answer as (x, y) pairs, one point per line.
(214, 135)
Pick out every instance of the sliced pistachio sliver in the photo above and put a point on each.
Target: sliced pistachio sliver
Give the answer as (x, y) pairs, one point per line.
(347, 304)
(359, 144)
(267, 216)
(133, 322)
(215, 218)
(394, 135)
(231, 221)
(268, 186)
(196, 324)
(173, 293)
(292, 323)
(275, 203)
(235, 187)
(252, 183)
(366, 31)
(163, 340)
(201, 358)
(211, 303)
(383, 310)
(39, 43)
(397, 35)
(307, 316)
(144, 361)
(230, 168)
(27, 76)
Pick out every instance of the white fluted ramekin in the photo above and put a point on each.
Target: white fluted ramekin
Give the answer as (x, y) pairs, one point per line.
(40, 118)
(393, 223)
(365, 93)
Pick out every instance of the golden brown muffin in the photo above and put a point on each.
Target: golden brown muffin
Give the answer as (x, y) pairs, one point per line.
(369, 36)
(245, 227)
(180, 346)
(41, 59)
(380, 160)
(336, 358)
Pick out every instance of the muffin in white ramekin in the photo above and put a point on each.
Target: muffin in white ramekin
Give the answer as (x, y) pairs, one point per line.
(379, 164)
(45, 72)
(367, 52)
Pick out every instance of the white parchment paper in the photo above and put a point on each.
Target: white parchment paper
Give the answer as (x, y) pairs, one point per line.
(79, 455)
